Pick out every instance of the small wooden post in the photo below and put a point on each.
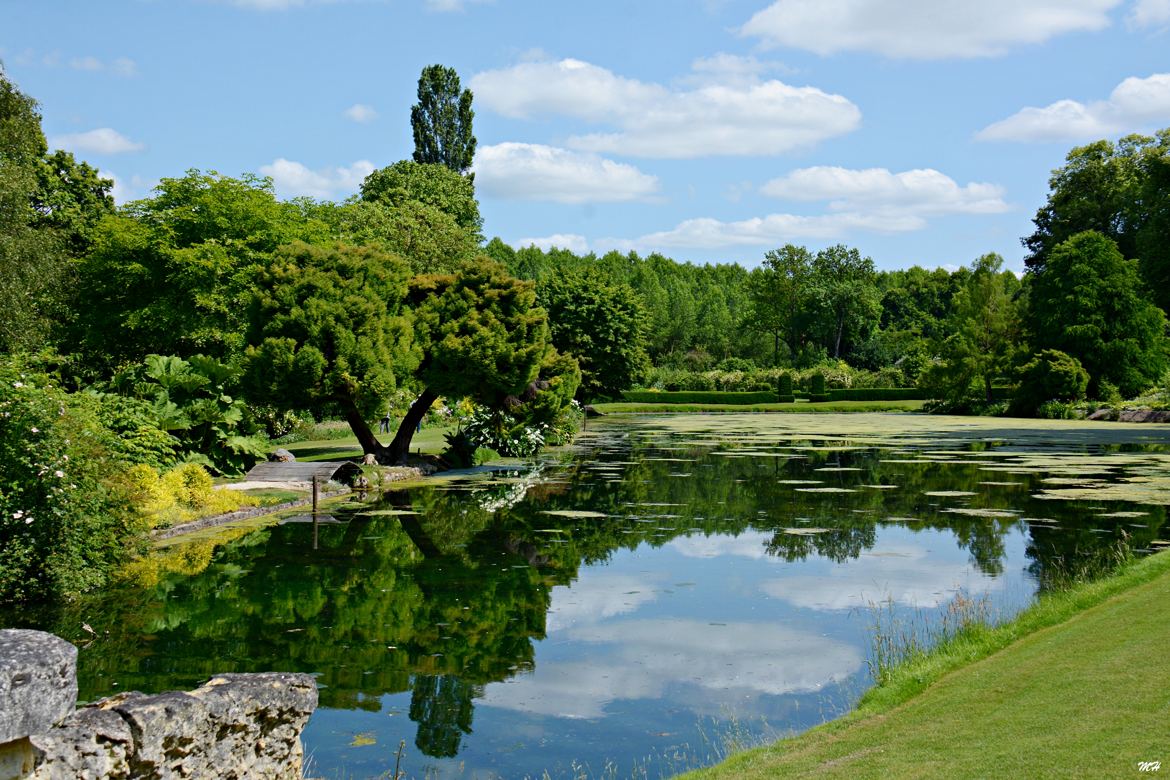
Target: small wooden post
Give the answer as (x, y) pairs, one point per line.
(314, 497)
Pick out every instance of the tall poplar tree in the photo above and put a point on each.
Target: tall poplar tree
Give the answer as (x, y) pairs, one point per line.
(441, 120)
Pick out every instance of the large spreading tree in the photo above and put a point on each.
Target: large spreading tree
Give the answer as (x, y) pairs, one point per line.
(1088, 301)
(1120, 190)
(329, 332)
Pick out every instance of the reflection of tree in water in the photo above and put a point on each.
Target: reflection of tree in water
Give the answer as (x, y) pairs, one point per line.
(441, 706)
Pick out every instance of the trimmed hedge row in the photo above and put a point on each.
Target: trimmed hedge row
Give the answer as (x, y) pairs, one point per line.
(879, 394)
(697, 397)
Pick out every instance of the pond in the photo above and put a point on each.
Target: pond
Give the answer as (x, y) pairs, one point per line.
(670, 589)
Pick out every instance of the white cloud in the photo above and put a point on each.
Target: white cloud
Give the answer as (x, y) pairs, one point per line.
(924, 29)
(903, 573)
(361, 113)
(877, 190)
(536, 172)
(731, 113)
(709, 233)
(86, 63)
(572, 241)
(119, 191)
(292, 179)
(1149, 13)
(646, 659)
(598, 594)
(1134, 104)
(449, 6)
(103, 140)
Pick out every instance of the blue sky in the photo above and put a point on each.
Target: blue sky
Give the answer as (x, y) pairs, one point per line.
(919, 131)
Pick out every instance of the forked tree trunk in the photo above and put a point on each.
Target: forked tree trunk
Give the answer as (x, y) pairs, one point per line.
(400, 447)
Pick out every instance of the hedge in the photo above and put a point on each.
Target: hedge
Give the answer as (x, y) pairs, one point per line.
(879, 394)
(698, 397)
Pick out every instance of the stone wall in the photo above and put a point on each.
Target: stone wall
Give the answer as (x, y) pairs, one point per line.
(235, 726)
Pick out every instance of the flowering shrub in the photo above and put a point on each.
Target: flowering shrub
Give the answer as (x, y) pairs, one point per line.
(66, 510)
(503, 433)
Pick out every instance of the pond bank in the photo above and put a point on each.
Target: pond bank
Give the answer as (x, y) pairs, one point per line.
(1071, 687)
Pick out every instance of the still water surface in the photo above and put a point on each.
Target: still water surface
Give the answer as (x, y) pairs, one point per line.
(670, 588)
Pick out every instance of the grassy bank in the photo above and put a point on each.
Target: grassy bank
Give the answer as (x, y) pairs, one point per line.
(1073, 687)
(798, 406)
(428, 441)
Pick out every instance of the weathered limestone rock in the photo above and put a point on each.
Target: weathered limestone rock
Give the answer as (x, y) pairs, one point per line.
(1104, 413)
(282, 456)
(236, 726)
(38, 682)
(91, 743)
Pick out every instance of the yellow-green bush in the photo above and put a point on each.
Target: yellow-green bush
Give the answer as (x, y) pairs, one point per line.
(184, 493)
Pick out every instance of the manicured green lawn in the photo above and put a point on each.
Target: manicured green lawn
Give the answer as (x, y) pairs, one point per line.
(428, 440)
(799, 406)
(1079, 688)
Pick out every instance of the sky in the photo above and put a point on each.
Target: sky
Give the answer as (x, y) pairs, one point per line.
(921, 132)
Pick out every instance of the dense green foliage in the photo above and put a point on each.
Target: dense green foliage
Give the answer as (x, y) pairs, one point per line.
(432, 184)
(1120, 190)
(1049, 376)
(602, 324)
(441, 120)
(328, 330)
(67, 513)
(697, 397)
(1089, 301)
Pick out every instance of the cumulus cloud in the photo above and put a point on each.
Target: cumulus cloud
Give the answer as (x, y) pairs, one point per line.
(710, 233)
(292, 179)
(1149, 13)
(1134, 104)
(924, 29)
(733, 114)
(572, 241)
(905, 574)
(877, 190)
(103, 140)
(361, 113)
(646, 659)
(537, 172)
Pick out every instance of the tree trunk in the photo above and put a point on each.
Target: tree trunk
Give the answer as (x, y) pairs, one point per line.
(400, 447)
(360, 428)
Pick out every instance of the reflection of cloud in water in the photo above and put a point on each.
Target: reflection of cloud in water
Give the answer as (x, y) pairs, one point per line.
(641, 659)
(750, 544)
(597, 594)
(901, 572)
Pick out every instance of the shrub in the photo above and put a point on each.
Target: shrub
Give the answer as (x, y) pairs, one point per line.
(184, 493)
(816, 388)
(784, 389)
(1051, 375)
(66, 510)
(878, 394)
(698, 397)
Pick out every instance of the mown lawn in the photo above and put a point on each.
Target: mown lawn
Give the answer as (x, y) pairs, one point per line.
(428, 440)
(1078, 686)
(624, 407)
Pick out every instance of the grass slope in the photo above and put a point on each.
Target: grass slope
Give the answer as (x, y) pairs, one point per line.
(428, 440)
(1074, 687)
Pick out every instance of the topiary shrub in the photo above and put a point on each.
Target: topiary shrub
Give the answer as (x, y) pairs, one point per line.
(1051, 375)
(816, 388)
(784, 389)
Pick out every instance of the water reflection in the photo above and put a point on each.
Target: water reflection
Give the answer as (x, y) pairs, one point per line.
(597, 608)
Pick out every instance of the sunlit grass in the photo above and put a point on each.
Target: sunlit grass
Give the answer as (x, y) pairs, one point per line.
(1071, 687)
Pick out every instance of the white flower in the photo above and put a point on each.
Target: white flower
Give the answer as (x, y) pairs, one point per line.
(18, 384)
(19, 513)
(59, 474)
(36, 429)
(28, 520)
